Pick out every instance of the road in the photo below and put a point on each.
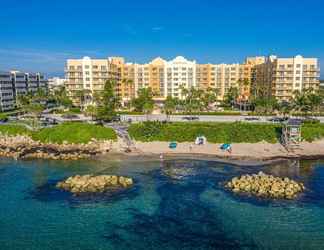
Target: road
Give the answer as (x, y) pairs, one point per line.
(202, 118)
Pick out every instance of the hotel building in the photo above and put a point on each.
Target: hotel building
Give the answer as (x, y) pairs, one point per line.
(281, 77)
(15, 83)
(274, 76)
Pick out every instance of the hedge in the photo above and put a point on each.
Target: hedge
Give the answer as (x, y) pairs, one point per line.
(214, 132)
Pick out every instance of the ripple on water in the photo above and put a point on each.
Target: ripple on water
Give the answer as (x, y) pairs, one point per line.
(179, 204)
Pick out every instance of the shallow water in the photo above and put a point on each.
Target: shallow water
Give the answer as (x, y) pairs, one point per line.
(177, 204)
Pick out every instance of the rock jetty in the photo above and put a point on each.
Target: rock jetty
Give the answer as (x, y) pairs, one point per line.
(23, 147)
(267, 186)
(94, 184)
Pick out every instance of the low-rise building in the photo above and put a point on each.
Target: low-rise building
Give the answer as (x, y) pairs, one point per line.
(15, 83)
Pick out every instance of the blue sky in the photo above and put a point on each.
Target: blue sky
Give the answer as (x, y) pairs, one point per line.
(39, 35)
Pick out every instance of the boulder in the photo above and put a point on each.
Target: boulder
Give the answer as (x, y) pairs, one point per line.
(94, 184)
(263, 185)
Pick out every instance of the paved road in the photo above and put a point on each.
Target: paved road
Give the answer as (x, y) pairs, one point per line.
(203, 118)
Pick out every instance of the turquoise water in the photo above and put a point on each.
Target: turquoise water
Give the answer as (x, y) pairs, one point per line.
(177, 204)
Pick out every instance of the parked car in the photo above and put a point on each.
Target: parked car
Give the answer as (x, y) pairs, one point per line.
(250, 119)
(116, 118)
(70, 116)
(190, 118)
(278, 119)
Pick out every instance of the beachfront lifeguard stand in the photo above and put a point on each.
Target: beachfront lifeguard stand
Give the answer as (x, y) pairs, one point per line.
(291, 134)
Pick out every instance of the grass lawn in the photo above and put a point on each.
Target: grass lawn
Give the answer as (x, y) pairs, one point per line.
(69, 132)
(14, 129)
(74, 132)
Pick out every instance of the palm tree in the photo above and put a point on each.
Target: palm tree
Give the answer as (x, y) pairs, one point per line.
(83, 96)
(209, 97)
(169, 106)
(130, 86)
(193, 99)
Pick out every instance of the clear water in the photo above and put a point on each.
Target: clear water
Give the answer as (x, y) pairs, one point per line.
(178, 204)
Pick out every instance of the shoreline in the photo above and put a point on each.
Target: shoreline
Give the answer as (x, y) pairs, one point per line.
(22, 147)
(260, 152)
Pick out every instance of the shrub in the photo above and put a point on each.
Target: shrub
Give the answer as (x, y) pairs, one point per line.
(214, 132)
(311, 132)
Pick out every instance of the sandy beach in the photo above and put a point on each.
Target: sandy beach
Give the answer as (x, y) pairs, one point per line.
(248, 151)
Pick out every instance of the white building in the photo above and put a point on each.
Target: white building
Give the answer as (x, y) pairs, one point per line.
(55, 83)
(179, 72)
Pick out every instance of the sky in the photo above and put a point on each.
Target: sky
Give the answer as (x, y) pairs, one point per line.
(39, 35)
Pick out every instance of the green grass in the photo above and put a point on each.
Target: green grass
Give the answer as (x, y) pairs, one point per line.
(214, 132)
(74, 132)
(311, 132)
(69, 132)
(14, 130)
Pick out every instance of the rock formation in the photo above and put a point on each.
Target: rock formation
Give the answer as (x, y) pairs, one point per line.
(94, 184)
(24, 147)
(267, 186)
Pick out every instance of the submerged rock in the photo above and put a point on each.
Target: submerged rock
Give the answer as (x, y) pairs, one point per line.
(94, 184)
(267, 186)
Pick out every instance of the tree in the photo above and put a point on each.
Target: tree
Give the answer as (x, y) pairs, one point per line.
(192, 99)
(209, 97)
(23, 101)
(265, 105)
(61, 97)
(285, 108)
(83, 95)
(231, 96)
(144, 101)
(300, 102)
(306, 101)
(108, 102)
(315, 101)
(169, 106)
(35, 109)
(91, 110)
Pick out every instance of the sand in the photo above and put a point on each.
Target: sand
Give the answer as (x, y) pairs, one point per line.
(257, 151)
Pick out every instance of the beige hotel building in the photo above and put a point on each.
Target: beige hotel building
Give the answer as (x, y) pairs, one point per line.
(271, 76)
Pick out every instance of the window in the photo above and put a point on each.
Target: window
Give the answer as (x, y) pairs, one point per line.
(298, 65)
(87, 67)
